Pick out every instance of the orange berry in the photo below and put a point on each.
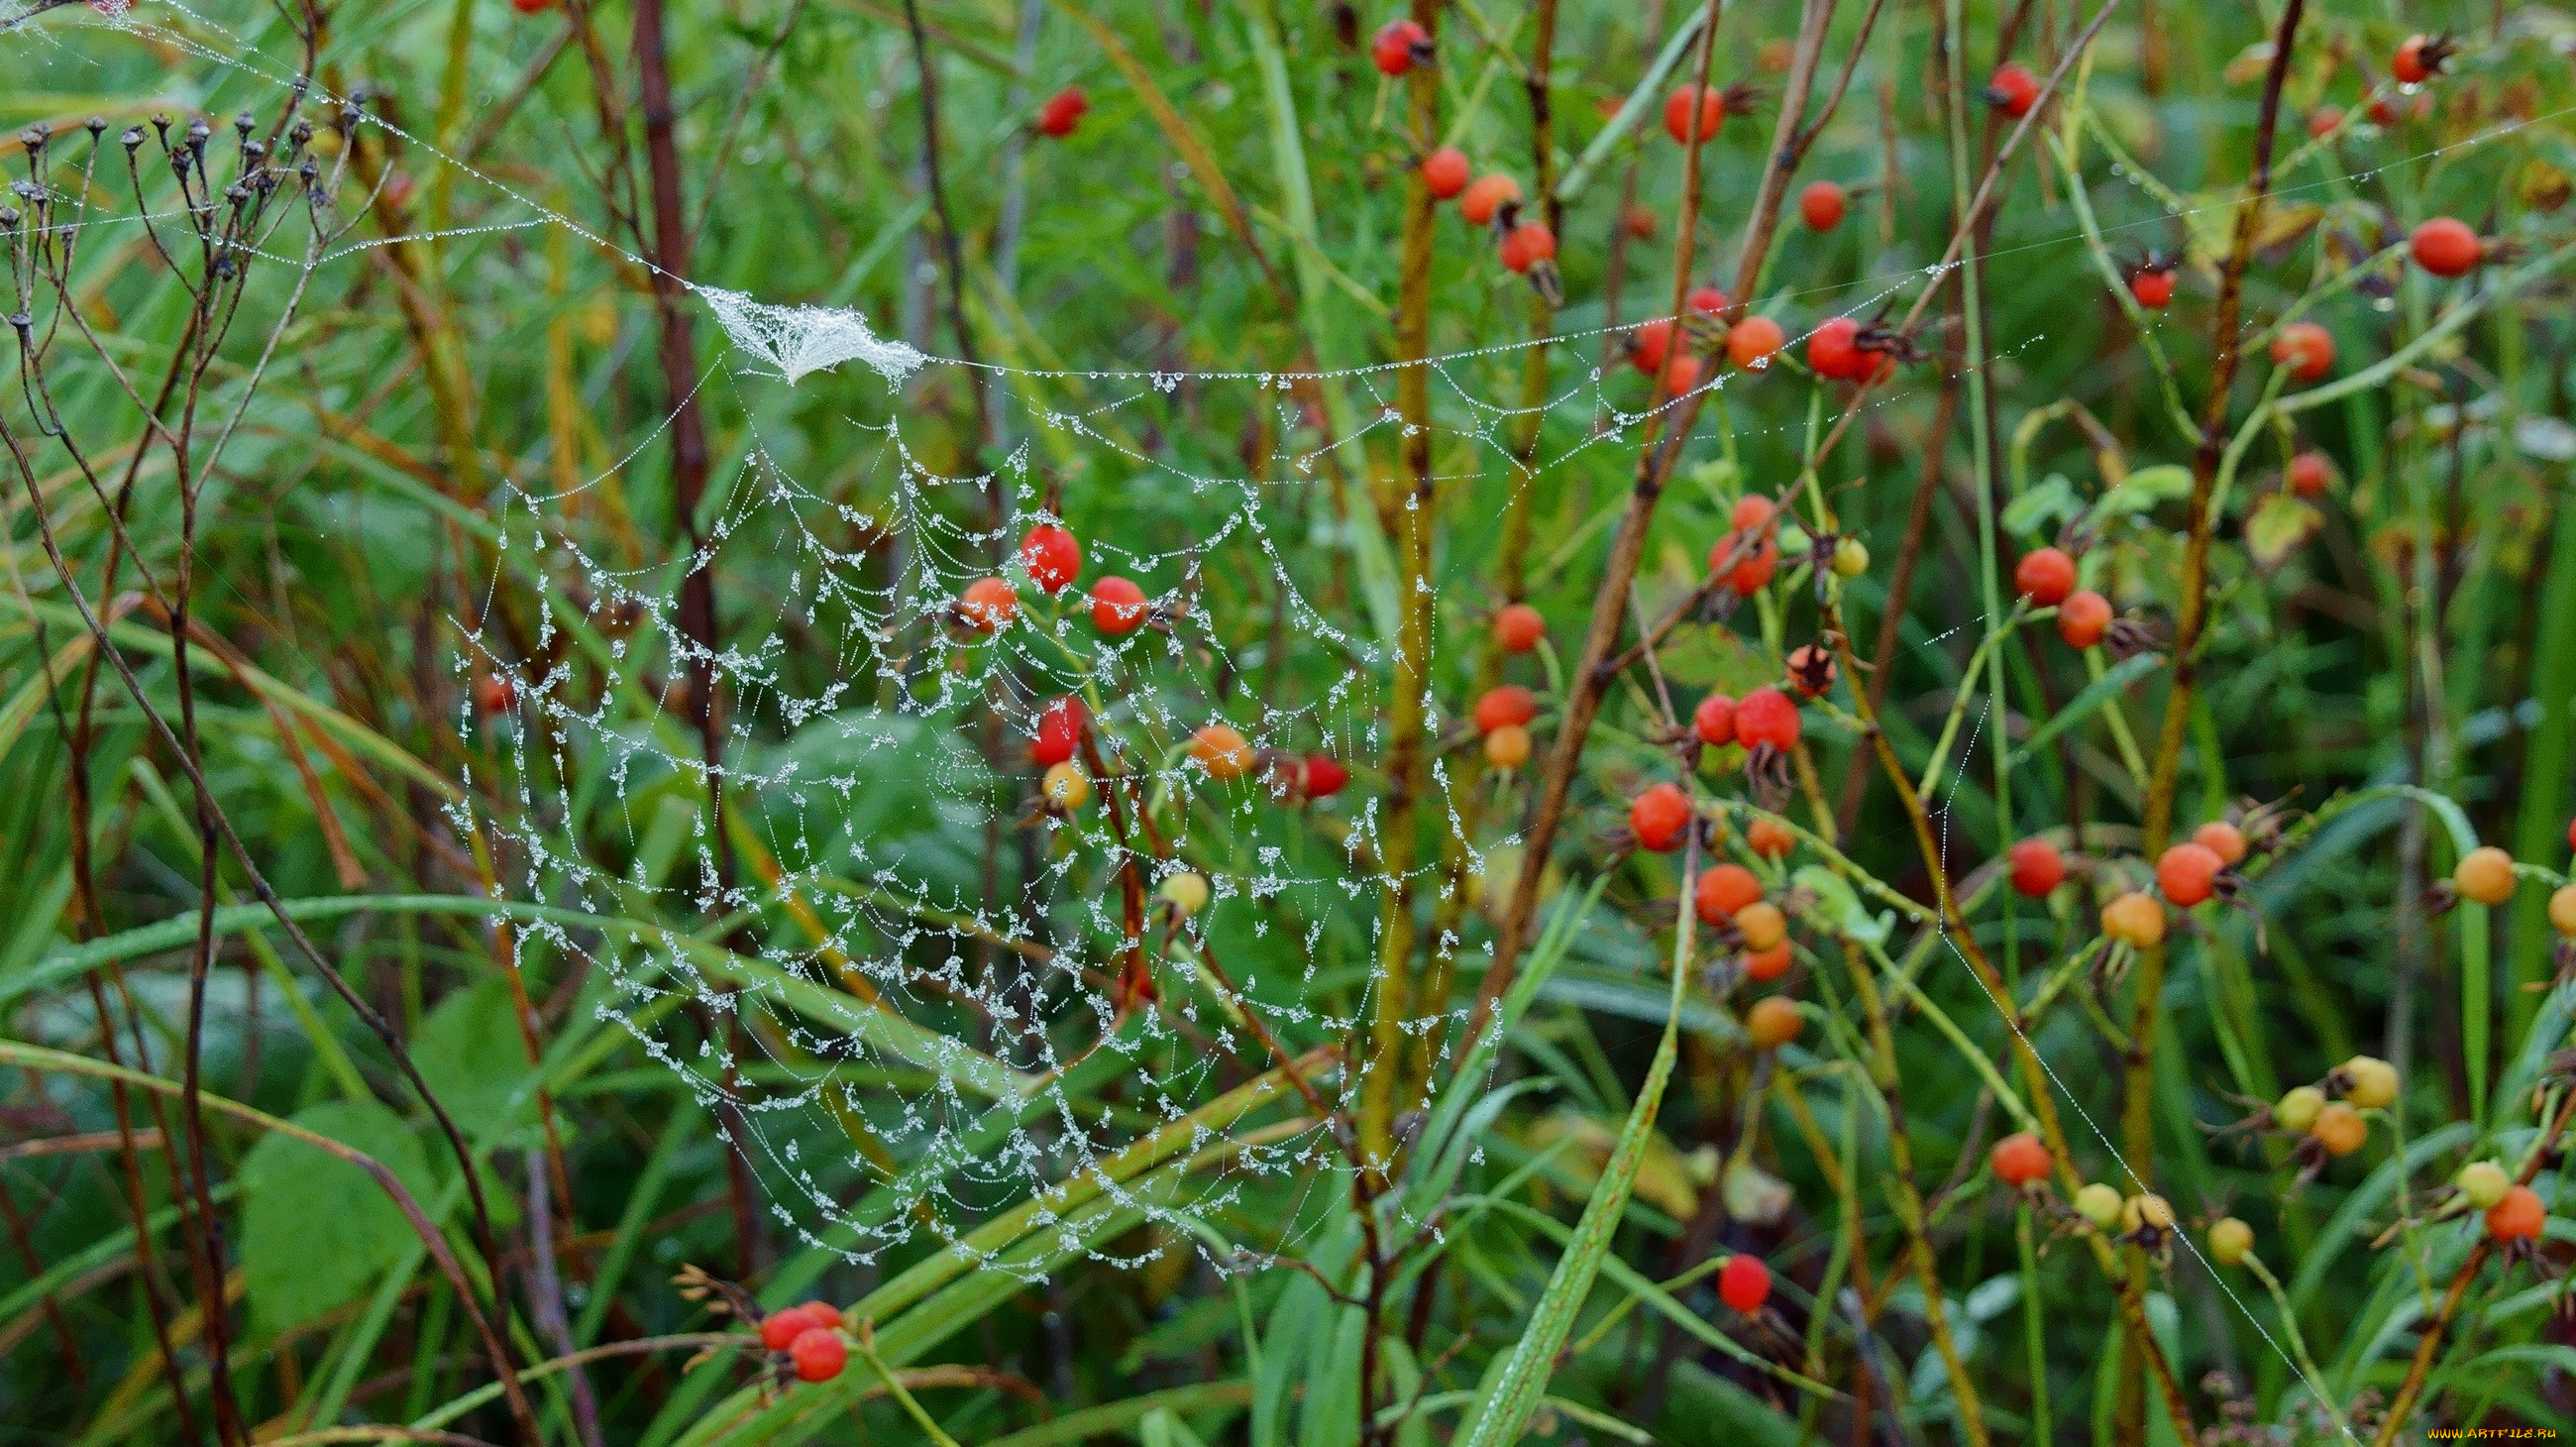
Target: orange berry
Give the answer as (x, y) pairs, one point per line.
(1220, 749)
(1754, 341)
(2307, 349)
(1764, 966)
(1490, 194)
(1762, 925)
(1658, 818)
(2045, 576)
(2083, 618)
(2020, 1161)
(1724, 889)
(2135, 919)
(1507, 747)
(2520, 1216)
(1518, 628)
(2222, 839)
(2485, 875)
(1773, 1021)
(989, 604)
(2340, 1129)
(2188, 873)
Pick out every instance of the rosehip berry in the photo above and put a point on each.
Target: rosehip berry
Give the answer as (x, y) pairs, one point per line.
(1821, 205)
(2520, 1216)
(1764, 966)
(781, 1328)
(495, 694)
(2152, 286)
(2188, 873)
(1507, 747)
(1059, 731)
(1744, 1283)
(989, 604)
(2013, 89)
(1834, 351)
(2297, 1109)
(2419, 58)
(1762, 925)
(1489, 195)
(2045, 576)
(1117, 606)
(1220, 749)
(2222, 839)
(819, 1355)
(1679, 106)
(2309, 473)
(1509, 705)
(2369, 1082)
(1707, 299)
(1713, 722)
(1722, 890)
(2230, 1241)
(2100, 1204)
(1659, 818)
(1062, 112)
(2324, 121)
(1751, 573)
(1526, 245)
(2484, 1183)
(1769, 838)
(2037, 868)
(2021, 1161)
(2339, 1128)
(1400, 46)
(1052, 555)
(825, 1314)
(1811, 670)
(1518, 628)
(1754, 341)
(1650, 346)
(1751, 511)
(1322, 776)
(1682, 376)
(1773, 1021)
(2485, 875)
(1639, 222)
(2135, 919)
(1444, 171)
(2562, 910)
(2446, 246)
(2307, 349)
(2148, 1212)
(1766, 716)
(1065, 786)
(524, 7)
(2083, 618)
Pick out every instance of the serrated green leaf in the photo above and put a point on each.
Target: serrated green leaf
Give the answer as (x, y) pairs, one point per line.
(316, 1231)
(2048, 504)
(2144, 490)
(2280, 523)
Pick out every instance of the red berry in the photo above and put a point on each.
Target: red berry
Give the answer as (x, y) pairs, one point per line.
(2083, 618)
(2307, 349)
(1507, 706)
(2045, 576)
(1821, 205)
(1744, 1283)
(2013, 89)
(819, 1355)
(1400, 45)
(2037, 869)
(2324, 121)
(1769, 838)
(1707, 299)
(1722, 891)
(1062, 112)
(1117, 606)
(1490, 194)
(2309, 473)
(781, 1328)
(1766, 716)
(2418, 59)
(1052, 556)
(1754, 341)
(2446, 246)
(1811, 670)
(1650, 346)
(494, 693)
(1059, 730)
(1834, 351)
(1752, 511)
(2153, 286)
(2571, 833)
(1519, 628)
(1678, 109)
(1659, 818)
(2188, 873)
(989, 604)
(2020, 1161)
(2520, 1216)
(524, 7)
(1682, 376)
(1445, 172)
(1323, 776)
(1526, 245)
(1713, 722)
(1764, 966)
(1749, 574)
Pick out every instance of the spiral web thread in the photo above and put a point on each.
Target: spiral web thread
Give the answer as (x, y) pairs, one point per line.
(877, 805)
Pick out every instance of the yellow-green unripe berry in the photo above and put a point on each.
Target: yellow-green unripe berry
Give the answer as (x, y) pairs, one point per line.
(2149, 1212)
(2483, 1182)
(2371, 1083)
(2229, 1240)
(1186, 893)
(2298, 1109)
(2099, 1204)
(1851, 558)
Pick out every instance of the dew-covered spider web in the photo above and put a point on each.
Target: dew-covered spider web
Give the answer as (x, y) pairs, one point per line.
(942, 962)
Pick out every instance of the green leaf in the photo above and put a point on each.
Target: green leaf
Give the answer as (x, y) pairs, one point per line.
(2050, 502)
(2143, 490)
(1840, 904)
(2280, 523)
(469, 1051)
(315, 1229)
(1717, 658)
